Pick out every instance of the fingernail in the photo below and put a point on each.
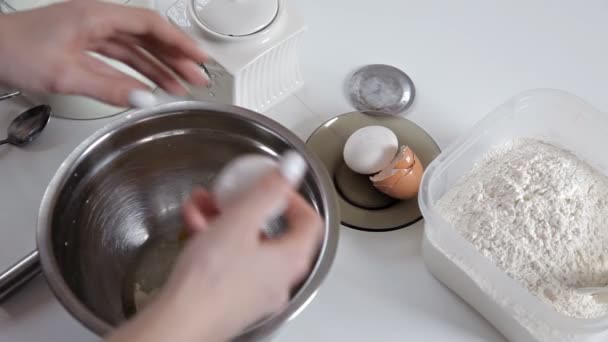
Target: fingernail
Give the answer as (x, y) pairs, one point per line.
(293, 167)
(142, 99)
(205, 73)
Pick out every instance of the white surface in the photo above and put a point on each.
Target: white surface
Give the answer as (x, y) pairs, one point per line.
(465, 57)
(81, 107)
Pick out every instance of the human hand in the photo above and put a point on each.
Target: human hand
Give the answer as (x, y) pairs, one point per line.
(229, 275)
(47, 50)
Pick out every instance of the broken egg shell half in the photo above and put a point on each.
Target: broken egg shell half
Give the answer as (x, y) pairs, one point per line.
(401, 178)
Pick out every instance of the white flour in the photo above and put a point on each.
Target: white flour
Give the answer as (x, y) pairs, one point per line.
(539, 213)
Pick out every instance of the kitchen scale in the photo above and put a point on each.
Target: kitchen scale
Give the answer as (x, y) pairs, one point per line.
(253, 48)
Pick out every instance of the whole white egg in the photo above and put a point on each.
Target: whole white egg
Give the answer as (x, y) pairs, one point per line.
(239, 175)
(369, 149)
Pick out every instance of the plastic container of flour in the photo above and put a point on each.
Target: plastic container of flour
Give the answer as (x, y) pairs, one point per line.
(554, 116)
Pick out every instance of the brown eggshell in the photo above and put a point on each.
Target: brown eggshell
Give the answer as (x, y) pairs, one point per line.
(405, 159)
(401, 179)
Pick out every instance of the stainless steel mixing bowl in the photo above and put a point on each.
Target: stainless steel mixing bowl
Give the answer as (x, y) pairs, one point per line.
(118, 195)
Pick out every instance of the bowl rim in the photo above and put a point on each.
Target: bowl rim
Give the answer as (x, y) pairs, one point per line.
(263, 328)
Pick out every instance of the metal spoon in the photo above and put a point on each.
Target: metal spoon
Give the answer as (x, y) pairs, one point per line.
(9, 95)
(600, 294)
(27, 126)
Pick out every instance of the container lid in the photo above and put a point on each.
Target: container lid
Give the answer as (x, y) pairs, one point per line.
(381, 88)
(235, 17)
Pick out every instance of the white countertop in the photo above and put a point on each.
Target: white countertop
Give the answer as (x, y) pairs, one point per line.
(465, 57)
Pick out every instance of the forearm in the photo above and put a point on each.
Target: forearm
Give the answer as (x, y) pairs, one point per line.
(5, 29)
(3, 54)
(163, 321)
(7, 58)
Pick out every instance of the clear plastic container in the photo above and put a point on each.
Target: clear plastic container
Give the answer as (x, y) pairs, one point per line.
(553, 116)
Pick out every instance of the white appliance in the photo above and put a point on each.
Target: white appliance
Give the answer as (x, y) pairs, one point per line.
(253, 48)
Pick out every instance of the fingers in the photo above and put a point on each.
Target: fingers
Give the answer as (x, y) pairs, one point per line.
(144, 22)
(299, 244)
(194, 220)
(95, 65)
(123, 32)
(139, 60)
(92, 78)
(252, 209)
(183, 66)
(197, 210)
(305, 226)
(204, 202)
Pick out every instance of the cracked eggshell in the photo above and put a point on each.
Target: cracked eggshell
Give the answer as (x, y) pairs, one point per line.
(369, 149)
(401, 178)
